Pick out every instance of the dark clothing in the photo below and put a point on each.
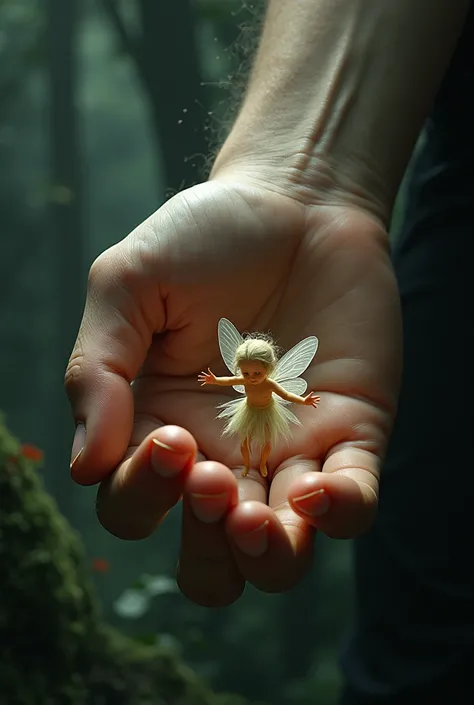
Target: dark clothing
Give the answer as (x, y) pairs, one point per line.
(414, 632)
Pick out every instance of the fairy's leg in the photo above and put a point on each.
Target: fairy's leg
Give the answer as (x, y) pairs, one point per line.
(245, 451)
(264, 457)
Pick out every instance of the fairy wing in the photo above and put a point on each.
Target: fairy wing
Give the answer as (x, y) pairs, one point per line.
(239, 388)
(229, 340)
(296, 361)
(294, 386)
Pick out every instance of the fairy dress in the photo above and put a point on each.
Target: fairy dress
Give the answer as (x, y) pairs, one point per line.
(270, 423)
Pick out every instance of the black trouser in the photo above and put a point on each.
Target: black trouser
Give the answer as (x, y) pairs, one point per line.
(414, 634)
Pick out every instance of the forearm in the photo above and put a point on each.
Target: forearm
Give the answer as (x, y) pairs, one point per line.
(339, 92)
(294, 398)
(228, 381)
(287, 396)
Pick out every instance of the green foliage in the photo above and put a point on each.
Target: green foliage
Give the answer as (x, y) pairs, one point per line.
(54, 647)
(294, 636)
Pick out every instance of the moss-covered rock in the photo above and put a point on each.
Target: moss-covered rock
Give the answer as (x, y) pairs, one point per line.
(54, 647)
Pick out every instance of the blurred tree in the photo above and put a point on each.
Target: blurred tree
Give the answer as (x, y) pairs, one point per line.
(21, 22)
(66, 216)
(160, 38)
(19, 40)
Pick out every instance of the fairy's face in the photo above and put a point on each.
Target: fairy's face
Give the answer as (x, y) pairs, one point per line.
(253, 372)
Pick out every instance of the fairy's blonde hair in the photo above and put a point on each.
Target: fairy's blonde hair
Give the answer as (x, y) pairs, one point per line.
(261, 349)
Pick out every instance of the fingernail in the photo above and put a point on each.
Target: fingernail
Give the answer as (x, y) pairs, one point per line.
(255, 542)
(209, 508)
(169, 463)
(313, 504)
(78, 443)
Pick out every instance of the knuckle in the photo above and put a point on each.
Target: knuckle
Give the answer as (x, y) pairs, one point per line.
(100, 271)
(115, 269)
(117, 279)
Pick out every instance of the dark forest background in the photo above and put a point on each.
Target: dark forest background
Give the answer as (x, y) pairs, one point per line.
(107, 108)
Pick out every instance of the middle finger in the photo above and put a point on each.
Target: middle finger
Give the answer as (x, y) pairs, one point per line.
(207, 571)
(272, 545)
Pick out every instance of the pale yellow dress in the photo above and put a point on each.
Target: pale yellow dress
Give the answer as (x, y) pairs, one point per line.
(265, 424)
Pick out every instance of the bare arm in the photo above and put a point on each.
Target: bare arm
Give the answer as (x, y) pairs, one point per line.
(210, 378)
(288, 396)
(228, 381)
(338, 95)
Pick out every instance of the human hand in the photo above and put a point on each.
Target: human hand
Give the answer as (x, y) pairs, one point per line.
(238, 250)
(207, 377)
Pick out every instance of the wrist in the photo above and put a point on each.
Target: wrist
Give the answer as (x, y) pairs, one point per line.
(282, 166)
(337, 97)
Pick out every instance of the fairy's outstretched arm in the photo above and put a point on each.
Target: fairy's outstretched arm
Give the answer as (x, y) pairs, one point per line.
(210, 378)
(228, 381)
(309, 400)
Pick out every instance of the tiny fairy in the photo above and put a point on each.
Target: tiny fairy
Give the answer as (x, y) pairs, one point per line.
(268, 384)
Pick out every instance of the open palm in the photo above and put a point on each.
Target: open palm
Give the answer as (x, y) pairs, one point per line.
(266, 262)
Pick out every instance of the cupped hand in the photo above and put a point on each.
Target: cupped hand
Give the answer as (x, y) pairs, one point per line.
(268, 263)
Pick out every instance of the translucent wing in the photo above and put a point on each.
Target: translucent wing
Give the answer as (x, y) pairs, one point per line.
(294, 386)
(295, 361)
(229, 341)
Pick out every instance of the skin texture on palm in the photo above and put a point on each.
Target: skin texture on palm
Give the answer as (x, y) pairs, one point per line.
(149, 328)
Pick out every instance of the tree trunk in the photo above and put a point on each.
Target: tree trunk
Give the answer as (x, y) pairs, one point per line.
(168, 59)
(66, 222)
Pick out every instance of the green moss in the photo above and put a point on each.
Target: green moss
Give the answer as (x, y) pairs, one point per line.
(54, 647)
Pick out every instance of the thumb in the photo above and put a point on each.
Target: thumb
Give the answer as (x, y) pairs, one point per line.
(112, 344)
(341, 501)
